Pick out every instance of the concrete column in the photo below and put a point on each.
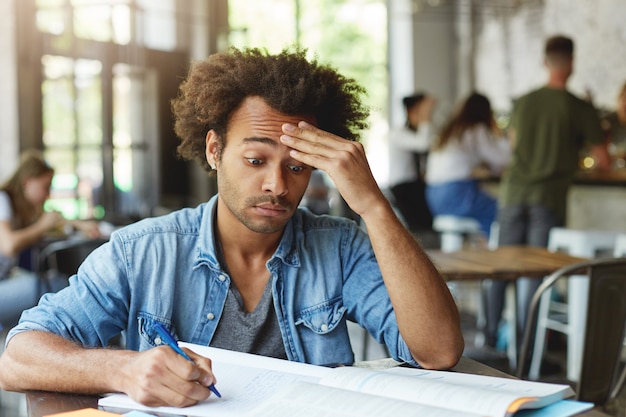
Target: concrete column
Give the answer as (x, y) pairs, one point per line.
(401, 58)
(9, 132)
(208, 34)
(465, 48)
(435, 46)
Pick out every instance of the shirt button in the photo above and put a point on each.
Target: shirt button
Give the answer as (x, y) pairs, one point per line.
(324, 327)
(158, 341)
(210, 316)
(222, 278)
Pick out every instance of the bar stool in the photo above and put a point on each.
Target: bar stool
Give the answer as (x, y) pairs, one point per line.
(569, 317)
(454, 231)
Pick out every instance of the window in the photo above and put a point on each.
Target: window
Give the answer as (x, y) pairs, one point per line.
(72, 131)
(101, 108)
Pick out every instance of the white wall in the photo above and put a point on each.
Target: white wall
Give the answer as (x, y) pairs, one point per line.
(509, 47)
(509, 62)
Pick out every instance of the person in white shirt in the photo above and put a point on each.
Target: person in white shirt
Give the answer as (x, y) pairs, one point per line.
(469, 140)
(408, 148)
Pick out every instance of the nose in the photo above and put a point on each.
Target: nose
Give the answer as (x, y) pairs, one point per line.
(275, 181)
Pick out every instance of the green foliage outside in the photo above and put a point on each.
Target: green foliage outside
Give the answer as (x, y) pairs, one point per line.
(350, 35)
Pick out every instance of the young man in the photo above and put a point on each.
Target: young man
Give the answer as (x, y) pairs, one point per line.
(248, 270)
(549, 126)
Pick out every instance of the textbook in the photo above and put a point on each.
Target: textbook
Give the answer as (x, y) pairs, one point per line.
(253, 385)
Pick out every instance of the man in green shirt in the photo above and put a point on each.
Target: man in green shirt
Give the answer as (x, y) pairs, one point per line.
(549, 127)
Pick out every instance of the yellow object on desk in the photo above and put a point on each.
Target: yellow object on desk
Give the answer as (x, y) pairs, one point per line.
(85, 412)
(92, 412)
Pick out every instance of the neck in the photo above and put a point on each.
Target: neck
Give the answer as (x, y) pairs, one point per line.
(557, 80)
(240, 239)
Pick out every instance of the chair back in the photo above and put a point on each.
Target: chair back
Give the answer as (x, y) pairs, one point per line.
(66, 256)
(606, 321)
(604, 338)
(583, 243)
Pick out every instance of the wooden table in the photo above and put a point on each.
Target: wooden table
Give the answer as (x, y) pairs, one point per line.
(43, 403)
(503, 263)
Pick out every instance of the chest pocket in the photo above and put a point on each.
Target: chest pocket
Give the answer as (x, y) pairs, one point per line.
(149, 336)
(322, 318)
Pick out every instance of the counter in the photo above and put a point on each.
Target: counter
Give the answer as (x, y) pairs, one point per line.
(597, 200)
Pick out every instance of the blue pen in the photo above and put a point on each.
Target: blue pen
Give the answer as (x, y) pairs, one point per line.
(171, 342)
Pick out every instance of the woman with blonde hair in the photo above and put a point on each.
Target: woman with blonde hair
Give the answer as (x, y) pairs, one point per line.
(23, 223)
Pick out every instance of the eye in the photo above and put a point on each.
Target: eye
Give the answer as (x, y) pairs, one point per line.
(295, 168)
(254, 161)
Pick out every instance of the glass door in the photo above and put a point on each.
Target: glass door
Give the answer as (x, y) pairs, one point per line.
(102, 108)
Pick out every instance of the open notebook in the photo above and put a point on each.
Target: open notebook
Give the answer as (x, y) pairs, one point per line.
(253, 385)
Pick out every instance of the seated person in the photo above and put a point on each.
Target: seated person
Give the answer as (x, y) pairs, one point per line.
(23, 223)
(469, 140)
(408, 153)
(248, 270)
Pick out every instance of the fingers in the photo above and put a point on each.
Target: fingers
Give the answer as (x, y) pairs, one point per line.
(343, 160)
(307, 137)
(51, 220)
(163, 377)
(203, 365)
(318, 148)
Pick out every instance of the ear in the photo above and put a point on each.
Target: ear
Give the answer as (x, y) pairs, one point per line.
(212, 147)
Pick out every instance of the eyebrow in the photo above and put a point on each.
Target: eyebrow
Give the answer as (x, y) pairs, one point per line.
(264, 140)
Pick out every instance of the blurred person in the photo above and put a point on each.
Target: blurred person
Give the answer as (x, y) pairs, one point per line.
(317, 195)
(23, 223)
(408, 150)
(549, 127)
(247, 270)
(468, 141)
(614, 126)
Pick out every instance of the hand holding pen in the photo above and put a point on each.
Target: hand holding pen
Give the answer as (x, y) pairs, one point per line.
(168, 339)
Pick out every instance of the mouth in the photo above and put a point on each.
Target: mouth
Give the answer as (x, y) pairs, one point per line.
(271, 210)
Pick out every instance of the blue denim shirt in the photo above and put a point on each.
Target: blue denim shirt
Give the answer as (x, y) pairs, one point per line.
(165, 269)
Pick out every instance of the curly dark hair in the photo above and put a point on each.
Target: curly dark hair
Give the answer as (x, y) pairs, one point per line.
(288, 82)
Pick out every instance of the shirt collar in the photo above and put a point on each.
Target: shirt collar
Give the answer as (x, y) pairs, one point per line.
(287, 250)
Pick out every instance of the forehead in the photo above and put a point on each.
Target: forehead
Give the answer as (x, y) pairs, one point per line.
(254, 118)
(46, 176)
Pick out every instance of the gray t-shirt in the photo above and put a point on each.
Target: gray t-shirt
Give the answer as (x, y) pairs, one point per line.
(256, 332)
